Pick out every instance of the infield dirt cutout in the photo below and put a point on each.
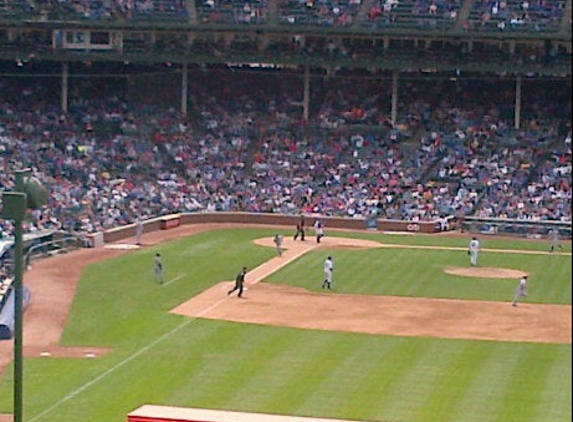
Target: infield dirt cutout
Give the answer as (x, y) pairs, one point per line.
(289, 306)
(53, 283)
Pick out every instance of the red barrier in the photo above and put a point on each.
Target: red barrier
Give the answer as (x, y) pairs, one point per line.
(174, 220)
(169, 222)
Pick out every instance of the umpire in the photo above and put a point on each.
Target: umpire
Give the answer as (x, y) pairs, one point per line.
(300, 229)
(239, 283)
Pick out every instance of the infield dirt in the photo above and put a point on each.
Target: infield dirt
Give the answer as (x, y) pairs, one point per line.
(290, 306)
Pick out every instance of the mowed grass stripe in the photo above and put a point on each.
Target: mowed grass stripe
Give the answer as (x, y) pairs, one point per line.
(555, 290)
(286, 352)
(235, 352)
(220, 352)
(422, 374)
(459, 369)
(416, 275)
(556, 389)
(480, 399)
(361, 271)
(321, 353)
(381, 385)
(387, 273)
(287, 372)
(355, 381)
(477, 401)
(353, 271)
(521, 399)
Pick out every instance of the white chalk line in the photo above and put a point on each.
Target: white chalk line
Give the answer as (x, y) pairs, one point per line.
(173, 280)
(124, 362)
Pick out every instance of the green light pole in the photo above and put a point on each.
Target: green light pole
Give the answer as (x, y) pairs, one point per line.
(29, 194)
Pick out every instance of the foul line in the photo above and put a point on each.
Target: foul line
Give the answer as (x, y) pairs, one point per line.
(173, 280)
(124, 362)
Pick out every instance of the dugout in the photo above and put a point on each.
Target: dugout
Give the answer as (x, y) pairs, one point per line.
(8, 312)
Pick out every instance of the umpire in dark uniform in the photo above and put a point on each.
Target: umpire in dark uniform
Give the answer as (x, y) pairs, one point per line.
(239, 283)
(300, 229)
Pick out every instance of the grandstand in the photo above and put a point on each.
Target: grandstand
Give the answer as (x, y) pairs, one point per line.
(408, 109)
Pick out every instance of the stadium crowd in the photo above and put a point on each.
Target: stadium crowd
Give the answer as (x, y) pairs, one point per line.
(245, 146)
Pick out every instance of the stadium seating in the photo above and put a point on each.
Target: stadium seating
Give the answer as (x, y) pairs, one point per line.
(321, 13)
(245, 147)
(238, 12)
(160, 10)
(517, 15)
(16, 8)
(421, 14)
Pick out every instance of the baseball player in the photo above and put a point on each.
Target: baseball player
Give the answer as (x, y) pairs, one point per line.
(474, 251)
(158, 264)
(521, 290)
(328, 268)
(239, 283)
(138, 231)
(278, 240)
(319, 230)
(554, 234)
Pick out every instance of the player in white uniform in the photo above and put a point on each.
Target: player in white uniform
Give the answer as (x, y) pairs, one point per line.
(521, 290)
(474, 251)
(328, 267)
(319, 230)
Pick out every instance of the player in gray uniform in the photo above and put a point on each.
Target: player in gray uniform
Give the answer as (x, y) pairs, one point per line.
(158, 264)
(521, 290)
(554, 234)
(328, 268)
(278, 240)
(473, 251)
(138, 231)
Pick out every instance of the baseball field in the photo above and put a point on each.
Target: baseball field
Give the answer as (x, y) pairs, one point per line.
(409, 332)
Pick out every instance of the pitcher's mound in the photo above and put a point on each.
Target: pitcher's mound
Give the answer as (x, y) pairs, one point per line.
(485, 272)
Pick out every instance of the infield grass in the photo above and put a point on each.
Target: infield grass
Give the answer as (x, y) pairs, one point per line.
(161, 358)
(414, 272)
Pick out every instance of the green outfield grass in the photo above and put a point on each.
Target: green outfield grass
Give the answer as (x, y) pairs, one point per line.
(167, 359)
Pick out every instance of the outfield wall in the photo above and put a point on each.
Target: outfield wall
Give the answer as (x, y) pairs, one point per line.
(152, 413)
(175, 220)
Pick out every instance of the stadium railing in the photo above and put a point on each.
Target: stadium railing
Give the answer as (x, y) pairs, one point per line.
(527, 228)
